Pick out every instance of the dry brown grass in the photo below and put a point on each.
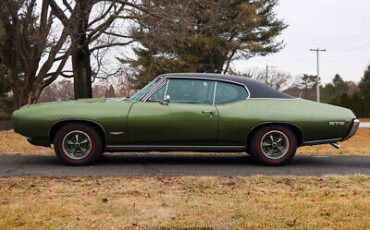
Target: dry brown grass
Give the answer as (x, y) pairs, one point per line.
(334, 202)
(12, 143)
(15, 144)
(357, 145)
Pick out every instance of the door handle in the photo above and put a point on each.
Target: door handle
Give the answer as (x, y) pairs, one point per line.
(212, 112)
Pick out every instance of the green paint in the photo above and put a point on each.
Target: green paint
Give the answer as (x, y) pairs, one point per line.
(183, 124)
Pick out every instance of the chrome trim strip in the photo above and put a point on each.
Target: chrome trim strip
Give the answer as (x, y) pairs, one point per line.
(73, 120)
(214, 93)
(335, 145)
(353, 130)
(272, 98)
(150, 92)
(276, 122)
(116, 133)
(210, 79)
(128, 148)
(160, 83)
(166, 90)
(320, 142)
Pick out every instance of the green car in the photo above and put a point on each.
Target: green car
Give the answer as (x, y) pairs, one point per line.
(187, 112)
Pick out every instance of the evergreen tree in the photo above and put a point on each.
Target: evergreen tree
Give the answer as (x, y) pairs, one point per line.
(365, 93)
(340, 86)
(201, 36)
(110, 93)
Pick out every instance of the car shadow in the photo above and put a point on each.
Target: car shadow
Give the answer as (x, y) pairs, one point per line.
(164, 158)
(184, 159)
(224, 159)
(172, 164)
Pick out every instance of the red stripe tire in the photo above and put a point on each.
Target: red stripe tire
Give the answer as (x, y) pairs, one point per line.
(78, 144)
(273, 145)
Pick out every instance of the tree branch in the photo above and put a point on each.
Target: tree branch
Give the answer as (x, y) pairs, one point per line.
(101, 16)
(67, 5)
(118, 35)
(94, 34)
(110, 45)
(59, 12)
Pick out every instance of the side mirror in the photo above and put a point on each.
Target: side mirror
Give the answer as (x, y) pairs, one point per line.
(166, 100)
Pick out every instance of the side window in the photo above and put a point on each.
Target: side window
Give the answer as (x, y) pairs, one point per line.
(191, 91)
(159, 94)
(228, 92)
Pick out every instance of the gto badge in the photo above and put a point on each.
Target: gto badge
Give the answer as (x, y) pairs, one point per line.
(336, 123)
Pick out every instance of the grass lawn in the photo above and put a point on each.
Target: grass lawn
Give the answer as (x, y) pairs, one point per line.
(365, 119)
(334, 202)
(331, 202)
(14, 144)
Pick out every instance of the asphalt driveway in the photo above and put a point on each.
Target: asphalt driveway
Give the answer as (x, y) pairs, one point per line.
(192, 165)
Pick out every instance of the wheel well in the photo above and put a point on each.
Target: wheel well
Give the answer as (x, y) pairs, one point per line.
(54, 129)
(297, 131)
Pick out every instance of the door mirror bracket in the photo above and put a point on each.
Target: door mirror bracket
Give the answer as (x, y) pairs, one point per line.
(166, 100)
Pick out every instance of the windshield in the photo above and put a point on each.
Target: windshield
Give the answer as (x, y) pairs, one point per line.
(144, 90)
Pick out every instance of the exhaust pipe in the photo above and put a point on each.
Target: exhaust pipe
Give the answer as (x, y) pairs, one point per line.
(335, 145)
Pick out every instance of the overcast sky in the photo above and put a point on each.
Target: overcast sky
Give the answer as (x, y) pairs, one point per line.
(342, 27)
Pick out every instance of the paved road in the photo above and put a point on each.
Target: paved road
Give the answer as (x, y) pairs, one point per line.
(172, 165)
(365, 125)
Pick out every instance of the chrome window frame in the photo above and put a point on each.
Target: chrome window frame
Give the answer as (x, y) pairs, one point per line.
(160, 83)
(214, 89)
(235, 83)
(160, 80)
(166, 80)
(155, 89)
(214, 93)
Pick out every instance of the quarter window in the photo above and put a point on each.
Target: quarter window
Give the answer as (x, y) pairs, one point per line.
(228, 92)
(191, 91)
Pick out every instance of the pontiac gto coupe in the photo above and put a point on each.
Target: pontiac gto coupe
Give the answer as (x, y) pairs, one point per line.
(187, 112)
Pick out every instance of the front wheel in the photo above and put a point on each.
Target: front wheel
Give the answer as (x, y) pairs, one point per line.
(273, 145)
(78, 144)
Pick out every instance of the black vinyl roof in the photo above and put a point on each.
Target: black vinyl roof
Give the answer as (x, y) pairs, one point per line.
(256, 88)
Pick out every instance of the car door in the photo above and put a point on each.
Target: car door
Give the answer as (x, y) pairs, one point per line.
(189, 119)
(232, 106)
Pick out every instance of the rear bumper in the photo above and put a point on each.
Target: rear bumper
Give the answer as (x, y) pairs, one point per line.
(351, 133)
(353, 130)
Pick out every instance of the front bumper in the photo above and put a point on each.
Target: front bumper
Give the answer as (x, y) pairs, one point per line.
(354, 128)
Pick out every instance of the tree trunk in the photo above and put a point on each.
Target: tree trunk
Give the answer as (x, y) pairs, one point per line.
(20, 97)
(81, 54)
(81, 73)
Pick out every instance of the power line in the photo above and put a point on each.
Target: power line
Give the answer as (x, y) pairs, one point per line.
(353, 48)
(318, 72)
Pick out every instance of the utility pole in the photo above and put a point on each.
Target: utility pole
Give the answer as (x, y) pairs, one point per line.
(267, 72)
(318, 72)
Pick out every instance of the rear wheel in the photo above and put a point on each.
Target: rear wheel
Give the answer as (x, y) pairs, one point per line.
(78, 144)
(273, 145)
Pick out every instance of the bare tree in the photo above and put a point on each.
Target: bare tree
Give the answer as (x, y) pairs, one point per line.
(276, 79)
(90, 33)
(26, 39)
(65, 90)
(99, 90)
(57, 91)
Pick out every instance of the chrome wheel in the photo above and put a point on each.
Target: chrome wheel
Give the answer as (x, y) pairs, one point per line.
(275, 144)
(77, 144)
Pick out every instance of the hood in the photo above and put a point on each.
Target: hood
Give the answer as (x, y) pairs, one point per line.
(79, 101)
